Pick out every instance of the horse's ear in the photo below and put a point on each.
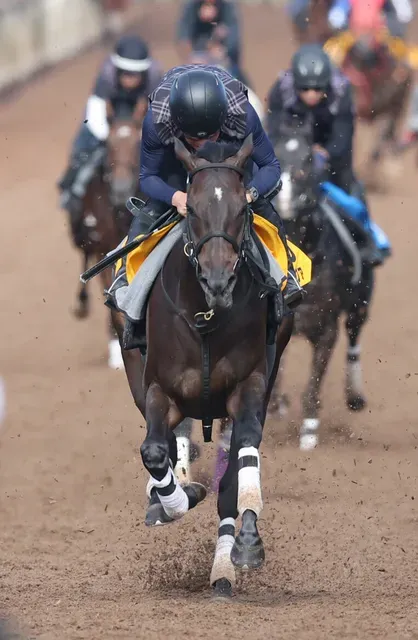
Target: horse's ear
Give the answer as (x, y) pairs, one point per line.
(184, 155)
(242, 155)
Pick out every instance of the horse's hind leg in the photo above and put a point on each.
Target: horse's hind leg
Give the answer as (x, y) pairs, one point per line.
(356, 317)
(323, 347)
(81, 310)
(246, 407)
(163, 486)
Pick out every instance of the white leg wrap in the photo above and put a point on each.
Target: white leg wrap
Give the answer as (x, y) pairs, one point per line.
(249, 485)
(222, 565)
(176, 502)
(308, 434)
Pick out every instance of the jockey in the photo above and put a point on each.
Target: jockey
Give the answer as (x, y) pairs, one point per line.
(210, 20)
(397, 14)
(314, 89)
(125, 77)
(198, 103)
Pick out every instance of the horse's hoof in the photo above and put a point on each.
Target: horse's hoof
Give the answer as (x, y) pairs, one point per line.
(356, 403)
(221, 590)
(247, 556)
(115, 360)
(248, 550)
(308, 441)
(196, 493)
(156, 516)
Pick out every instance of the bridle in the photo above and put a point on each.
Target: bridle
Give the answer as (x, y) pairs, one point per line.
(192, 249)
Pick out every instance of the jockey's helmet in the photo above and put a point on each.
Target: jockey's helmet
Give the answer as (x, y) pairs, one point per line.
(131, 55)
(311, 68)
(198, 103)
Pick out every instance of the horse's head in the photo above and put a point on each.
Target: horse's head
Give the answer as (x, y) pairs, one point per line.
(123, 152)
(218, 216)
(294, 150)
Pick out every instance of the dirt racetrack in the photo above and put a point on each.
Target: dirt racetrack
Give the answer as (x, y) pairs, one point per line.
(339, 525)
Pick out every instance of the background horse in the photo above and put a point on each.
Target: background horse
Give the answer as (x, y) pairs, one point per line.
(376, 65)
(331, 291)
(105, 220)
(207, 356)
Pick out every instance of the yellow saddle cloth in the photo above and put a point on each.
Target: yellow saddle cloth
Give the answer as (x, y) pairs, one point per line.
(265, 231)
(338, 46)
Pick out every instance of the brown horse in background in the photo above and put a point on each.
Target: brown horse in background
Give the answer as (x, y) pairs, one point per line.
(105, 220)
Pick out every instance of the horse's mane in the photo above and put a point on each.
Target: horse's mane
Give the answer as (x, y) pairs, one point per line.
(217, 151)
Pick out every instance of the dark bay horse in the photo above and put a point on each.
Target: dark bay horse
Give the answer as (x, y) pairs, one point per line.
(332, 291)
(207, 356)
(105, 220)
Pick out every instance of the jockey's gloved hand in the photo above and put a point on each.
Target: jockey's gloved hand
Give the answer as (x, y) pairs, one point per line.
(179, 200)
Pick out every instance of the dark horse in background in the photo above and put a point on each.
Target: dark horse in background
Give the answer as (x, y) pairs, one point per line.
(207, 356)
(341, 285)
(104, 221)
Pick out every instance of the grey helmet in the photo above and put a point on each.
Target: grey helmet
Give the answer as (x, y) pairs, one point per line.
(311, 68)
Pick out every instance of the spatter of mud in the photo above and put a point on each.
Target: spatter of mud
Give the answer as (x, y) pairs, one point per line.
(188, 571)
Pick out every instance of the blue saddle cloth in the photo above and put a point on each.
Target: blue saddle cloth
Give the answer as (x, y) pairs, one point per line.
(357, 210)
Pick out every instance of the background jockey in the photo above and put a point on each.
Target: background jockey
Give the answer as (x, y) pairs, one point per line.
(210, 20)
(125, 77)
(394, 14)
(314, 89)
(198, 103)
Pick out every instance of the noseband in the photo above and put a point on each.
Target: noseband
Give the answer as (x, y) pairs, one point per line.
(191, 249)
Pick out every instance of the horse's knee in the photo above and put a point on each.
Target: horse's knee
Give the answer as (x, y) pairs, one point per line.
(155, 456)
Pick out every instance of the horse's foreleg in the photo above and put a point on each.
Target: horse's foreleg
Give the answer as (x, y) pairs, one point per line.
(356, 318)
(158, 450)
(246, 406)
(323, 348)
(81, 310)
(222, 577)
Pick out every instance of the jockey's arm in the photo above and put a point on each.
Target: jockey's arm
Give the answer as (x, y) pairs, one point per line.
(268, 175)
(341, 138)
(274, 112)
(96, 117)
(96, 111)
(153, 153)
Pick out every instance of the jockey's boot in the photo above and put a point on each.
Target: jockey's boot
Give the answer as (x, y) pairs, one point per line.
(371, 254)
(293, 293)
(73, 184)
